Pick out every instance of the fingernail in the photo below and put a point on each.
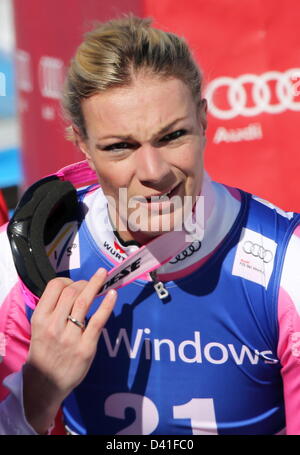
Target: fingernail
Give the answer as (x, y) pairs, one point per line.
(101, 271)
(112, 293)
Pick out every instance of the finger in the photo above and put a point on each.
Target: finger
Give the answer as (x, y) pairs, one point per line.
(66, 303)
(100, 317)
(51, 295)
(87, 295)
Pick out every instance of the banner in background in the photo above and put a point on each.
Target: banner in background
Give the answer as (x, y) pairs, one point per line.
(248, 50)
(47, 35)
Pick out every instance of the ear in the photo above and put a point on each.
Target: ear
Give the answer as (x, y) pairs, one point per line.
(83, 146)
(203, 113)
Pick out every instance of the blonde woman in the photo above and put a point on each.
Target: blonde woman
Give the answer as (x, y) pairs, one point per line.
(202, 338)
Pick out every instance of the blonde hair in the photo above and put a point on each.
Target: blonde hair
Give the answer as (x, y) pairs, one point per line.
(114, 52)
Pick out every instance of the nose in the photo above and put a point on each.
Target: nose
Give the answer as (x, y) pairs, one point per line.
(152, 169)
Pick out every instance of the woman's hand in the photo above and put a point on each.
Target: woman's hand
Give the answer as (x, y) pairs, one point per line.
(61, 352)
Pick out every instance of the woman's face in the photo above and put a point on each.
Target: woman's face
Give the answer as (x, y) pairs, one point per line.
(148, 140)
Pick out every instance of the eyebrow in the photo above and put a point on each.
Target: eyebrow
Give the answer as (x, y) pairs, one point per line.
(129, 137)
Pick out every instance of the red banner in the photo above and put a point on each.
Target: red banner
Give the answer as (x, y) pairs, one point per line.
(47, 34)
(249, 52)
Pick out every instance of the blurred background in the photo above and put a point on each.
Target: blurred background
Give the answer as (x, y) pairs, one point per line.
(248, 49)
(11, 175)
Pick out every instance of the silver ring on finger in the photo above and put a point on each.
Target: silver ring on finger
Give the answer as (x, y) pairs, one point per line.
(79, 324)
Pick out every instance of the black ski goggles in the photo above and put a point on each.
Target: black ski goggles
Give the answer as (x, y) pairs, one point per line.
(39, 216)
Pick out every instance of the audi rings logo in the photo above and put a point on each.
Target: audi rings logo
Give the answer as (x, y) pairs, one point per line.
(195, 246)
(249, 94)
(258, 251)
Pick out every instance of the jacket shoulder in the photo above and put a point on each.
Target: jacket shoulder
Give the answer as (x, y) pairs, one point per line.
(8, 273)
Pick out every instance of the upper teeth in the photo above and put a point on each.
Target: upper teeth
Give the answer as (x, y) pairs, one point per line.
(159, 197)
(163, 195)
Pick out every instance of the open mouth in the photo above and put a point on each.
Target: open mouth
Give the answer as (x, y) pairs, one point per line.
(164, 197)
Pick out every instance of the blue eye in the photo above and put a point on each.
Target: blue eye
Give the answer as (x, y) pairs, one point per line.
(172, 136)
(118, 146)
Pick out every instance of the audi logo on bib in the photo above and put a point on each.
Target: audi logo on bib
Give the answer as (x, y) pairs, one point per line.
(195, 246)
(258, 251)
(249, 95)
